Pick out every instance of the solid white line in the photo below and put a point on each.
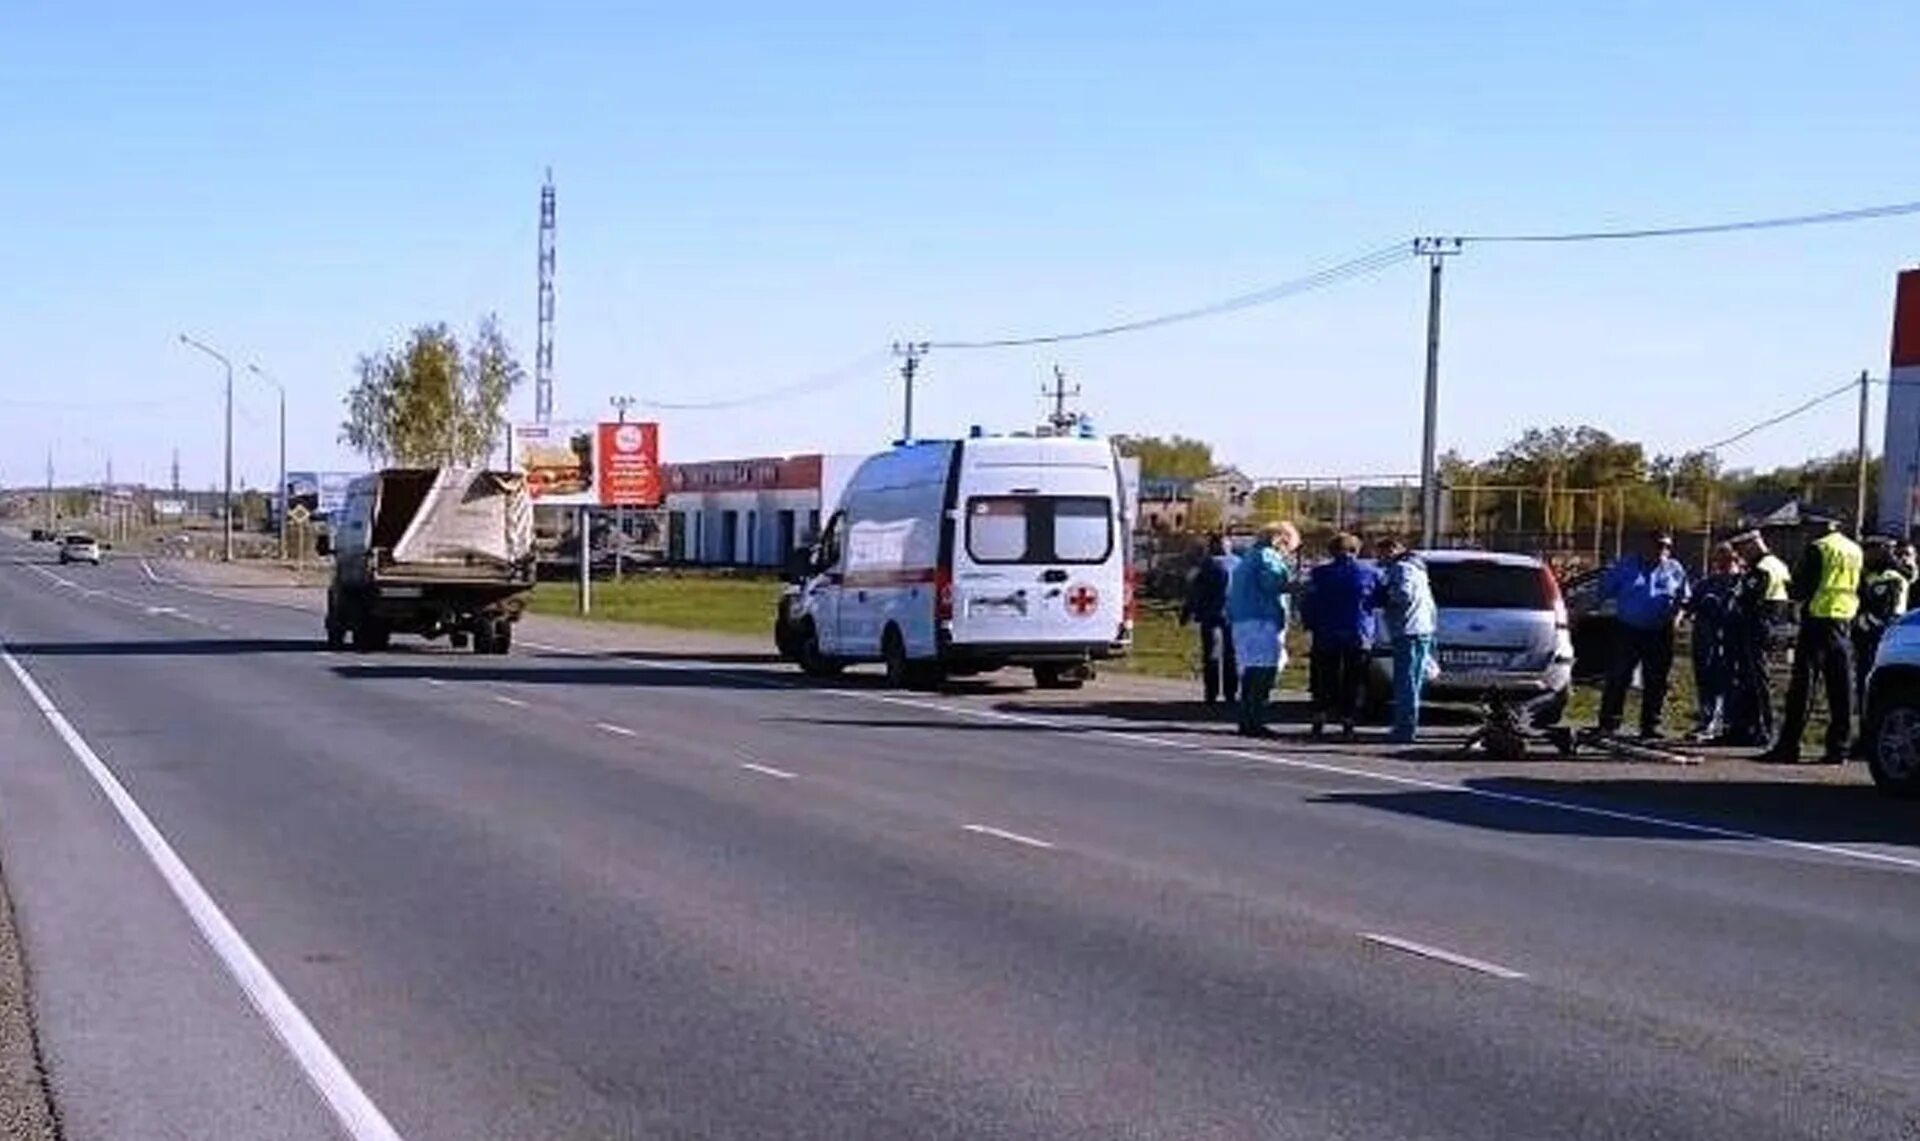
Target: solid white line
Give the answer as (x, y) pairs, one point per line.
(356, 1112)
(617, 730)
(768, 770)
(433, 681)
(1002, 834)
(513, 701)
(1443, 955)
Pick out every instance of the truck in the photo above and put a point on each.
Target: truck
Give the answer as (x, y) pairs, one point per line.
(948, 558)
(430, 551)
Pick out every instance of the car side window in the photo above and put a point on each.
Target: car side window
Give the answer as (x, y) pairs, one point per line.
(832, 542)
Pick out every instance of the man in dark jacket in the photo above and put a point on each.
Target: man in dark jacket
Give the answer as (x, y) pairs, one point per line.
(1339, 614)
(1206, 607)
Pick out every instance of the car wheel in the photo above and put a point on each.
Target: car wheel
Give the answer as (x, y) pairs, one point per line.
(813, 661)
(1893, 744)
(1059, 677)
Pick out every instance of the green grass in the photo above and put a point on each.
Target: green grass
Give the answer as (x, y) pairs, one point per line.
(680, 602)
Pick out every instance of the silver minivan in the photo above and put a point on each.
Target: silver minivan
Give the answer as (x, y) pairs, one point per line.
(1502, 629)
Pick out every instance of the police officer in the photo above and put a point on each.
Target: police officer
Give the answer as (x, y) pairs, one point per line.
(1763, 624)
(1827, 585)
(1883, 599)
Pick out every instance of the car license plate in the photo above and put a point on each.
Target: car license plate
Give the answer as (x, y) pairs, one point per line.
(1473, 659)
(1011, 604)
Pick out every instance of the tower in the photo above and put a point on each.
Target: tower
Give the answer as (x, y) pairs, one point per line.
(543, 349)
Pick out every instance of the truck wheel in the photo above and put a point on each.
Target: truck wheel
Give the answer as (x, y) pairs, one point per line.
(372, 636)
(502, 636)
(458, 639)
(1059, 677)
(483, 638)
(1893, 743)
(813, 661)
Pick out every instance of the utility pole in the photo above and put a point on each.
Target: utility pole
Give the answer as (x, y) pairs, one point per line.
(912, 351)
(175, 474)
(620, 406)
(226, 502)
(53, 521)
(1061, 419)
(1860, 470)
(1436, 251)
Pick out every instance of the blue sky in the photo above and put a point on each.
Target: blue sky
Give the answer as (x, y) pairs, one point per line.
(753, 193)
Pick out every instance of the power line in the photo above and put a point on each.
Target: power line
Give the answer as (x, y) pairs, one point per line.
(1858, 214)
(1845, 388)
(1361, 266)
(818, 382)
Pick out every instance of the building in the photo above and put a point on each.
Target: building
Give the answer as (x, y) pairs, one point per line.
(1231, 489)
(1165, 505)
(750, 512)
(1900, 471)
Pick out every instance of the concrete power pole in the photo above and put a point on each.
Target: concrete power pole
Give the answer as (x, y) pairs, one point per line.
(1061, 419)
(912, 351)
(1860, 470)
(543, 348)
(620, 406)
(1436, 251)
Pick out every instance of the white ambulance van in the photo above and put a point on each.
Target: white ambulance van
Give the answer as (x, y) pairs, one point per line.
(956, 557)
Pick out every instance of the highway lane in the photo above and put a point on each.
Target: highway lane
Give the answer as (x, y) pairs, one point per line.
(512, 919)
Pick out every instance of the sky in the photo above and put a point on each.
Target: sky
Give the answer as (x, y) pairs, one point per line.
(755, 194)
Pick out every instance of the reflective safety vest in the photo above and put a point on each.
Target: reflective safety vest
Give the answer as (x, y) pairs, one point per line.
(1777, 574)
(1837, 595)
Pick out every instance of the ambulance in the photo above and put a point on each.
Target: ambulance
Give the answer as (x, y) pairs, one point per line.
(950, 558)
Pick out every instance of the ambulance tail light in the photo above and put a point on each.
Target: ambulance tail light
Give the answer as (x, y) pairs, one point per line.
(943, 595)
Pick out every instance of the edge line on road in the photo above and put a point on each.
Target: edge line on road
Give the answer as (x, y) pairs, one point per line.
(355, 1111)
(1441, 954)
(616, 730)
(769, 770)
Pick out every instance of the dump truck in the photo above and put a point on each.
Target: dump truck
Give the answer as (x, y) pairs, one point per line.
(430, 551)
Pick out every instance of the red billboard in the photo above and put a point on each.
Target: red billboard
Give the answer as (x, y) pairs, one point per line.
(628, 462)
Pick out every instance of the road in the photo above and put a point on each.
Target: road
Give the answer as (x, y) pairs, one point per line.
(562, 895)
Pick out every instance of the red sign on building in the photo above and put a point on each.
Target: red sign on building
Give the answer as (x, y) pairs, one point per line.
(629, 459)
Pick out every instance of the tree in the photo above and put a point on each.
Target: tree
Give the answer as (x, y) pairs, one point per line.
(432, 401)
(1175, 457)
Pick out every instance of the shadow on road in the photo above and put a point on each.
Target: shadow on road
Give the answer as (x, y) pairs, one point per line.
(167, 647)
(1816, 813)
(636, 676)
(737, 658)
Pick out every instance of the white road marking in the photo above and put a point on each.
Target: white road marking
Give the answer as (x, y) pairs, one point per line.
(513, 701)
(1278, 760)
(768, 770)
(350, 1104)
(616, 730)
(1003, 834)
(156, 611)
(433, 681)
(1443, 955)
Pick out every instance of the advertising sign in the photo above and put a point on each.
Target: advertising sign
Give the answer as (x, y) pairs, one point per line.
(577, 464)
(321, 492)
(628, 465)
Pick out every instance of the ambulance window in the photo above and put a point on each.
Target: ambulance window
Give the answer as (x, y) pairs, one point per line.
(1082, 529)
(997, 530)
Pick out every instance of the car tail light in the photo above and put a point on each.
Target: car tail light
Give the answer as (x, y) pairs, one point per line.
(943, 595)
(1550, 586)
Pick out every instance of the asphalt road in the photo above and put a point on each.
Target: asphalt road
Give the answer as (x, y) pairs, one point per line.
(565, 895)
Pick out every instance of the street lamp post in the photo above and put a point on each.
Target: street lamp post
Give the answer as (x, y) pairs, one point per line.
(282, 390)
(226, 495)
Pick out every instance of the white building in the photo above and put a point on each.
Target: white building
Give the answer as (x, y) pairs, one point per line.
(751, 512)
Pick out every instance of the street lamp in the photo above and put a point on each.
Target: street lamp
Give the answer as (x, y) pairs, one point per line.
(226, 495)
(282, 389)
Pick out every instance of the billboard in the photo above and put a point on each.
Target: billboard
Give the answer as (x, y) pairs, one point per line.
(321, 492)
(579, 464)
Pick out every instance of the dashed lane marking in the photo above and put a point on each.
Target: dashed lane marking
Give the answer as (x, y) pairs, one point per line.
(1441, 954)
(768, 770)
(1003, 834)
